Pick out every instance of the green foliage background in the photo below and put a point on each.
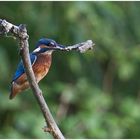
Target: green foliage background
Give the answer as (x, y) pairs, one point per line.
(91, 95)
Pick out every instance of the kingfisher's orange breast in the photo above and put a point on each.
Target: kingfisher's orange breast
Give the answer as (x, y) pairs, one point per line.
(41, 66)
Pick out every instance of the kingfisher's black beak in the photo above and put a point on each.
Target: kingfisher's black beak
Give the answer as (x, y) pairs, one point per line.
(59, 47)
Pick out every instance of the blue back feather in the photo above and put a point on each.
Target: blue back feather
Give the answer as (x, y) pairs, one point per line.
(20, 68)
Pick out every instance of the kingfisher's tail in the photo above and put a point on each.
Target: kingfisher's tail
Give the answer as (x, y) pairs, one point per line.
(13, 91)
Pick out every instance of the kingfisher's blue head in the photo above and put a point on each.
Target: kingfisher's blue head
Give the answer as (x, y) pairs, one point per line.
(45, 44)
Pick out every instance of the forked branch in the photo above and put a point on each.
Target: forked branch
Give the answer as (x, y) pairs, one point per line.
(20, 33)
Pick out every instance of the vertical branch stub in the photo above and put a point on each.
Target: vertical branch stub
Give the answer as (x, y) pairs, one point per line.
(23, 32)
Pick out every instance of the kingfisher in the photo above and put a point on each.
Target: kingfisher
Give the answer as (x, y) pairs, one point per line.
(41, 59)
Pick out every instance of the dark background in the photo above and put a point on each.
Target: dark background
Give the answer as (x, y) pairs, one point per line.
(91, 95)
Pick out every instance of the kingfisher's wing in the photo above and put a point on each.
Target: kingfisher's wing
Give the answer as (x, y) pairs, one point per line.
(20, 68)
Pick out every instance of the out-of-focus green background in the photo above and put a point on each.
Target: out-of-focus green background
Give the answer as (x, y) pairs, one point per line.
(91, 95)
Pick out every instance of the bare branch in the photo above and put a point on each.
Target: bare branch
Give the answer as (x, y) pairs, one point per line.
(81, 47)
(21, 33)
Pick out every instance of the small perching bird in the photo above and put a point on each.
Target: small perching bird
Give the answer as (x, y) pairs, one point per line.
(41, 59)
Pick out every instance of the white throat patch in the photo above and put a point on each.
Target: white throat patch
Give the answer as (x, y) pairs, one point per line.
(48, 52)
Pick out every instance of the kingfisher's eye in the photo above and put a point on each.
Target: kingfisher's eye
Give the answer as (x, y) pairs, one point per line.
(51, 44)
